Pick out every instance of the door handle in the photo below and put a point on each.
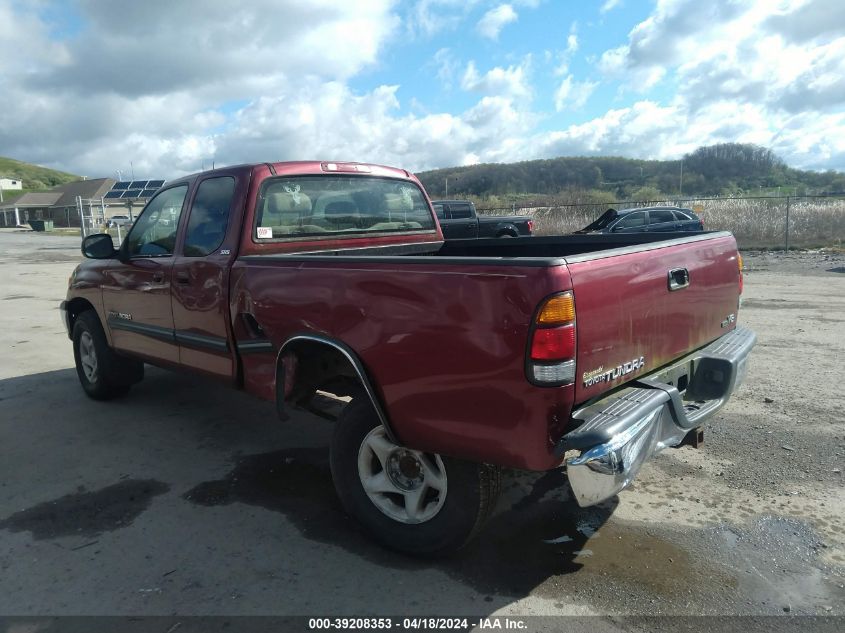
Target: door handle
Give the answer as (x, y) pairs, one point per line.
(158, 277)
(678, 279)
(182, 279)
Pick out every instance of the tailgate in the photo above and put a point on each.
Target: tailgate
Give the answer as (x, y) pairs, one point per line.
(629, 321)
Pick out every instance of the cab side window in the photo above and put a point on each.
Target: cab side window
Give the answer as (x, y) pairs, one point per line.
(154, 233)
(209, 216)
(460, 211)
(660, 216)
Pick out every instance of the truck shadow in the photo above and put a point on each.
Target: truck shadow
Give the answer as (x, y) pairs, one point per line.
(534, 535)
(537, 533)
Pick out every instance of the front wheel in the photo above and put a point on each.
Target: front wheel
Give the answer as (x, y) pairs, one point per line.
(418, 503)
(102, 373)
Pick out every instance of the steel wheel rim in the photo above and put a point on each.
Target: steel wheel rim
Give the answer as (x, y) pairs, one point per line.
(88, 356)
(388, 476)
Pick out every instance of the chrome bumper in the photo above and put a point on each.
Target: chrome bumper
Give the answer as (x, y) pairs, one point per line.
(619, 433)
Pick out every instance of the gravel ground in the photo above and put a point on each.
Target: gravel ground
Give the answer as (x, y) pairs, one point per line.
(184, 498)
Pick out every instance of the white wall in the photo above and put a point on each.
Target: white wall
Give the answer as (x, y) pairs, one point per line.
(8, 184)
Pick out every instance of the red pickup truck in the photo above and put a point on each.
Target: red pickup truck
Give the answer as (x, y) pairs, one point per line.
(296, 280)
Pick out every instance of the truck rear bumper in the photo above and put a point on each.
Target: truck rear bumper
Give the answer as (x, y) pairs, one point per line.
(619, 433)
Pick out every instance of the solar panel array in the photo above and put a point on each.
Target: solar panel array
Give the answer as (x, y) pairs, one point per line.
(134, 189)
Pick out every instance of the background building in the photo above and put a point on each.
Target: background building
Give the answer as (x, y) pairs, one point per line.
(101, 198)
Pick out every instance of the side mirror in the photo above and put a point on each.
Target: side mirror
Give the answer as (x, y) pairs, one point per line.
(98, 246)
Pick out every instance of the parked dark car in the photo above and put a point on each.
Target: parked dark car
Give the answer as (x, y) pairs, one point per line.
(458, 219)
(668, 219)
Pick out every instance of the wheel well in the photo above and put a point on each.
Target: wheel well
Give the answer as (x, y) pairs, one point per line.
(309, 364)
(504, 232)
(74, 308)
(305, 366)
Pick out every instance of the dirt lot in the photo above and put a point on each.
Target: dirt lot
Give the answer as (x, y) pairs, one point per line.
(190, 499)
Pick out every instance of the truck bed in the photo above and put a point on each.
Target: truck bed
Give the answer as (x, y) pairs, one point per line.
(427, 317)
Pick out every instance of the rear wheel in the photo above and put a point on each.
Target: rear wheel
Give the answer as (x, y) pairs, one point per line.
(418, 503)
(102, 373)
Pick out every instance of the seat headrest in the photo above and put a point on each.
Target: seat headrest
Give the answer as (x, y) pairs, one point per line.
(284, 202)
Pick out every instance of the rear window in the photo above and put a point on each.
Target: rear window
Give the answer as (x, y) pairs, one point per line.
(323, 206)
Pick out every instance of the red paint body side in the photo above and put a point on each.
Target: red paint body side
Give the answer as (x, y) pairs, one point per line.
(443, 344)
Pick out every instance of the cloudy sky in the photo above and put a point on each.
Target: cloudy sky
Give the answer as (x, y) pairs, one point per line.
(90, 86)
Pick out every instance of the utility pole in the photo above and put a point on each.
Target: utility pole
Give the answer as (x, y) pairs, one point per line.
(681, 186)
(447, 187)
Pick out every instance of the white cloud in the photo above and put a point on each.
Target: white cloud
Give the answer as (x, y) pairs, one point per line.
(492, 22)
(447, 67)
(427, 18)
(573, 95)
(609, 5)
(509, 82)
(564, 57)
(275, 129)
(171, 89)
(153, 79)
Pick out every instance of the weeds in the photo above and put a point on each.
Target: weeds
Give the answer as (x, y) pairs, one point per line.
(755, 222)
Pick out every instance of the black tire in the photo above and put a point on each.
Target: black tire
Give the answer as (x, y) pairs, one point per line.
(114, 374)
(471, 496)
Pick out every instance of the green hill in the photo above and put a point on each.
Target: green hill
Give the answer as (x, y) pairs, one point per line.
(728, 168)
(33, 177)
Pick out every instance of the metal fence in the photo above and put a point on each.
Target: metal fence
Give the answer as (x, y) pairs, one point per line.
(755, 221)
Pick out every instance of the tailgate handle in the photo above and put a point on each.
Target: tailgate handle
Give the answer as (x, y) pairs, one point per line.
(678, 278)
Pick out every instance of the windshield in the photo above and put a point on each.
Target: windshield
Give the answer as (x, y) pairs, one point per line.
(324, 205)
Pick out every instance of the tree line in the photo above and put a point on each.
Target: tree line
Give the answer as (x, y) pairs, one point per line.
(723, 169)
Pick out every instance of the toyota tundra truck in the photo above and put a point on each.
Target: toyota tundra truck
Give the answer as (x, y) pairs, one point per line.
(311, 282)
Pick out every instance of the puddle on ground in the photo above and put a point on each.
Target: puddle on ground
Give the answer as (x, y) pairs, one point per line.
(87, 513)
(778, 560)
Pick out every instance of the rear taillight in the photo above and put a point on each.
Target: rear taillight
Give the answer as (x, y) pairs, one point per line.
(530, 226)
(739, 262)
(551, 354)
